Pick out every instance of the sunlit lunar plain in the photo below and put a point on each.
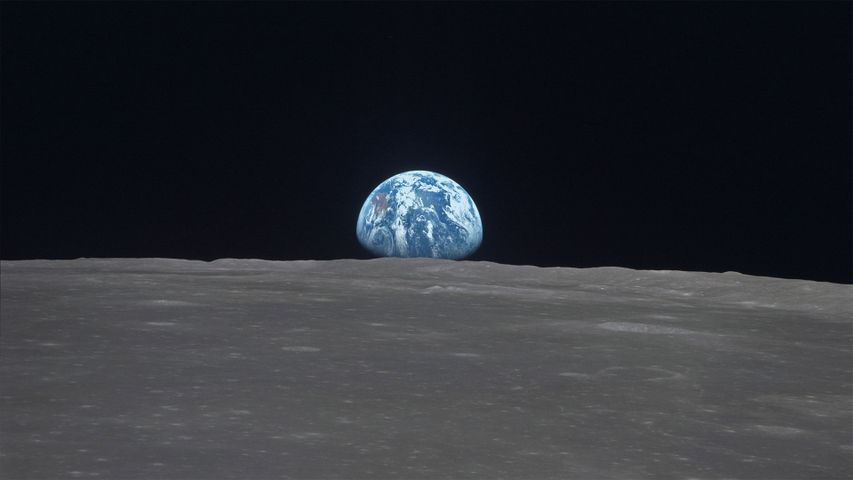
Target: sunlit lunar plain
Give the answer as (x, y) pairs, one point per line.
(419, 368)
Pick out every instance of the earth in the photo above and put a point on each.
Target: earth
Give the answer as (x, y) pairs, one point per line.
(420, 214)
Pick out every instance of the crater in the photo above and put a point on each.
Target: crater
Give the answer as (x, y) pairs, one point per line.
(643, 328)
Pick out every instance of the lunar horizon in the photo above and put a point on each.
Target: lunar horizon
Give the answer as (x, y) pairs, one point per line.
(419, 368)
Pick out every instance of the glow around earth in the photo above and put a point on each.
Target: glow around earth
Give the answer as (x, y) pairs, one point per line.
(420, 214)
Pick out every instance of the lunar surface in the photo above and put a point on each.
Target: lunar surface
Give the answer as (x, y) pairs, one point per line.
(419, 369)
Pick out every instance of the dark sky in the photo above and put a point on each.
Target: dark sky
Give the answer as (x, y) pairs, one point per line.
(696, 136)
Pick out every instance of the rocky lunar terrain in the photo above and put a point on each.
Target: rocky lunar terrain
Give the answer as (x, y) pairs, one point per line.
(417, 368)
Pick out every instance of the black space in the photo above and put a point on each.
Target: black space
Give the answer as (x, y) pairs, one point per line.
(695, 136)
